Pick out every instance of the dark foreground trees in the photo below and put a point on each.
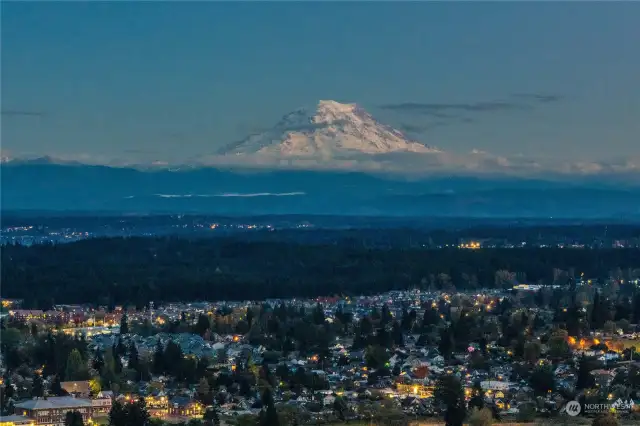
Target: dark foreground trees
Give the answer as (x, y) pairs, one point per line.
(129, 414)
(73, 418)
(449, 393)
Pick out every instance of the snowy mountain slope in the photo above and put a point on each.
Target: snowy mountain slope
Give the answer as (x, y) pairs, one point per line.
(331, 129)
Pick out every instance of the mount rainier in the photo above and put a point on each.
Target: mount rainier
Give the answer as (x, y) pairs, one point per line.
(329, 130)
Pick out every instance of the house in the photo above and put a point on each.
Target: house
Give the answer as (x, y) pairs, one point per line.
(157, 403)
(80, 388)
(328, 400)
(25, 315)
(602, 377)
(102, 402)
(438, 360)
(185, 407)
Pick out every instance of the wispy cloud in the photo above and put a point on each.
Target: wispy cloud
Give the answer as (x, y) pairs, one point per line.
(232, 194)
(420, 128)
(462, 112)
(263, 194)
(437, 109)
(140, 151)
(516, 101)
(538, 97)
(476, 162)
(22, 113)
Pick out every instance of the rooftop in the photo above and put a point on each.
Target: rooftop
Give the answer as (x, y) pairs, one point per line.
(53, 402)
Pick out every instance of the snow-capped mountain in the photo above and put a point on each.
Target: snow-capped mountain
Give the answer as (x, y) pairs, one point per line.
(329, 130)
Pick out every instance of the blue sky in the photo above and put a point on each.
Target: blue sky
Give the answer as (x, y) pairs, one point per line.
(165, 81)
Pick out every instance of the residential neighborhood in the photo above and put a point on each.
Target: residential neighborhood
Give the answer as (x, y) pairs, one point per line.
(519, 353)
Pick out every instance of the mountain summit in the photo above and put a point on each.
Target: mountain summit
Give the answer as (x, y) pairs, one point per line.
(331, 129)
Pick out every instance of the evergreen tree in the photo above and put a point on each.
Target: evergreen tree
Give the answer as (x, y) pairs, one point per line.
(383, 338)
(542, 380)
(37, 390)
(461, 330)
(8, 388)
(134, 361)
(118, 414)
(124, 324)
(158, 359)
(385, 316)
(318, 315)
(117, 362)
(56, 386)
(201, 368)
(281, 313)
(108, 371)
(268, 415)
(120, 347)
(202, 325)
(211, 416)
(376, 357)
(265, 373)
(407, 321)
(422, 341)
(98, 360)
(75, 369)
(446, 343)
(129, 414)
(249, 316)
(137, 414)
(584, 380)
(598, 314)
(477, 396)
(397, 335)
(482, 342)
(375, 314)
(365, 326)
(573, 320)
(300, 377)
(340, 407)
(73, 418)
(636, 307)
(450, 394)
(82, 346)
(204, 391)
(173, 358)
(430, 317)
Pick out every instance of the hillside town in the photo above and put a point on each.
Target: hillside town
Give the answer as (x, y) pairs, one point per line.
(516, 354)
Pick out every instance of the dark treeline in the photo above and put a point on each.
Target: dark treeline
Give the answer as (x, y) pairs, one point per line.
(139, 270)
(329, 229)
(596, 235)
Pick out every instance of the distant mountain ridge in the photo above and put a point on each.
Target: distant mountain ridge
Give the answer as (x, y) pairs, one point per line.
(332, 159)
(330, 129)
(47, 186)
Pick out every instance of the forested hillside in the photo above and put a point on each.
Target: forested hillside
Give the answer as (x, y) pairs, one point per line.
(138, 270)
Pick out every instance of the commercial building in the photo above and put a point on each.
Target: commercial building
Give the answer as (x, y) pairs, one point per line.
(52, 411)
(14, 420)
